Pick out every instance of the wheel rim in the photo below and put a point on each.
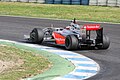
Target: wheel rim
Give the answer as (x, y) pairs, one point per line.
(33, 36)
(67, 42)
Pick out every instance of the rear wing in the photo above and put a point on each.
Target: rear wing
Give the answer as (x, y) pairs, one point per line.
(90, 27)
(94, 27)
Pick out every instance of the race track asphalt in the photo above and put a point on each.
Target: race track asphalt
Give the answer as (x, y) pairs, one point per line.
(14, 28)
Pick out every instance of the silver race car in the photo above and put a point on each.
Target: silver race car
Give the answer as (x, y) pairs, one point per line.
(74, 36)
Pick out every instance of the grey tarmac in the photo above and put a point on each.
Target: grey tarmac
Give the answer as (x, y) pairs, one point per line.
(14, 28)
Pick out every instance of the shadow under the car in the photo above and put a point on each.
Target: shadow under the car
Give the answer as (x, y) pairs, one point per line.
(49, 44)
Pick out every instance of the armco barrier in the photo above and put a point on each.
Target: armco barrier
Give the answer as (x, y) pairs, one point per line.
(76, 2)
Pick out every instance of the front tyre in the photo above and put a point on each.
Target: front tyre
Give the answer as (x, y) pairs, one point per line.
(71, 42)
(37, 35)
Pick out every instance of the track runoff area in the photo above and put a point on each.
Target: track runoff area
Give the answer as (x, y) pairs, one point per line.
(84, 66)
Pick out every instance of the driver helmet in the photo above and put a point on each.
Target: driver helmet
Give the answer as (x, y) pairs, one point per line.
(75, 26)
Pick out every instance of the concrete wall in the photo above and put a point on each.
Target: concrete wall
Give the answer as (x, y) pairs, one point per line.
(102, 2)
(93, 2)
(118, 4)
(112, 2)
(105, 2)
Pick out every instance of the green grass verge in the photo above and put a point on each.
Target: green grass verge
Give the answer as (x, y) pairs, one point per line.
(57, 68)
(19, 63)
(88, 13)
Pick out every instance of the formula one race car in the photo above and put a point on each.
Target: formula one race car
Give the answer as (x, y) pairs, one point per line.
(72, 37)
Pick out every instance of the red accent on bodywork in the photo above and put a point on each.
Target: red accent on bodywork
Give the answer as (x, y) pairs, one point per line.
(91, 26)
(59, 38)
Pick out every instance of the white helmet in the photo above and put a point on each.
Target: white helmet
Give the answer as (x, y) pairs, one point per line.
(75, 26)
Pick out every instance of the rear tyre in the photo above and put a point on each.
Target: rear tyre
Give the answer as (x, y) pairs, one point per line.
(37, 35)
(71, 42)
(106, 43)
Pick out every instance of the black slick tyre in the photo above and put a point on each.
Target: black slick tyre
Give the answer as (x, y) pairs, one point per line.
(106, 43)
(71, 42)
(37, 35)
